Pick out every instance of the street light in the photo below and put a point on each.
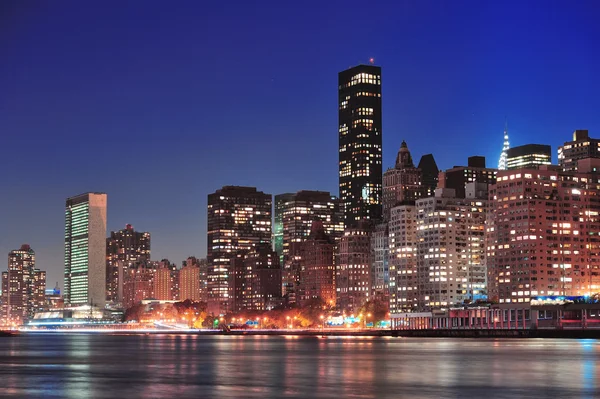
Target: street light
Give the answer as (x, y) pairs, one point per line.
(322, 322)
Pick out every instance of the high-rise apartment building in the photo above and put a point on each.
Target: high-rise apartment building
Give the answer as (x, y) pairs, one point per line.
(353, 270)
(138, 283)
(403, 259)
(166, 281)
(360, 156)
(582, 147)
(402, 183)
(256, 282)
(315, 257)
(124, 248)
(239, 218)
(380, 272)
(528, 156)
(23, 286)
(542, 234)
(85, 250)
(451, 255)
(457, 177)
(189, 281)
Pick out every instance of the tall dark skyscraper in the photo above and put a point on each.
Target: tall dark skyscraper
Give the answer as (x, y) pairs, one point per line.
(360, 160)
(239, 219)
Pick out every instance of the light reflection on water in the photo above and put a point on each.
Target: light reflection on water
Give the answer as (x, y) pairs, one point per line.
(189, 366)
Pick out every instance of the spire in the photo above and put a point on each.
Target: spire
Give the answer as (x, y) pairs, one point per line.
(404, 159)
(505, 147)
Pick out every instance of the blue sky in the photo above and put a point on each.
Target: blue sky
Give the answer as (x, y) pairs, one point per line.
(160, 103)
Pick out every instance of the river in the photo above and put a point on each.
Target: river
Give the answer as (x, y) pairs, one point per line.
(190, 366)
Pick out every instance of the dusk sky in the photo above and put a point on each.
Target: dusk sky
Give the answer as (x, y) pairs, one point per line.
(160, 103)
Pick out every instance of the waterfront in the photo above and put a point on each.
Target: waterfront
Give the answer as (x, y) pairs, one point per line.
(191, 366)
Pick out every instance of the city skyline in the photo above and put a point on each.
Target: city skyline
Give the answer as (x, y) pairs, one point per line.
(408, 96)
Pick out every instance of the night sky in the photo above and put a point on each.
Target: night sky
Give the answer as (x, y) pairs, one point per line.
(160, 103)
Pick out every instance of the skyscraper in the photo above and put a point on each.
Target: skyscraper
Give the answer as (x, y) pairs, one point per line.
(85, 250)
(123, 249)
(295, 212)
(23, 286)
(503, 155)
(360, 159)
(528, 156)
(239, 218)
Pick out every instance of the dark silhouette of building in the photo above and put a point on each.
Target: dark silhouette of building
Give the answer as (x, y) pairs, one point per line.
(458, 177)
(317, 271)
(239, 218)
(124, 248)
(360, 159)
(429, 174)
(528, 156)
(256, 282)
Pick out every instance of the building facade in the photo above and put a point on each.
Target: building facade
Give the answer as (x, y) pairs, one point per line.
(166, 281)
(239, 218)
(85, 250)
(124, 248)
(451, 254)
(353, 270)
(528, 156)
(543, 234)
(295, 212)
(457, 177)
(581, 147)
(189, 282)
(138, 283)
(294, 216)
(380, 271)
(403, 259)
(256, 282)
(360, 140)
(315, 260)
(23, 286)
(402, 183)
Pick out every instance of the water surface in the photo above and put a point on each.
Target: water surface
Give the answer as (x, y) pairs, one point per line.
(189, 366)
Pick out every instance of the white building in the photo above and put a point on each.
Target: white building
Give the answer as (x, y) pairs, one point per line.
(451, 266)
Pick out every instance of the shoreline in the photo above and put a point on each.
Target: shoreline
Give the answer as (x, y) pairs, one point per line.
(439, 333)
